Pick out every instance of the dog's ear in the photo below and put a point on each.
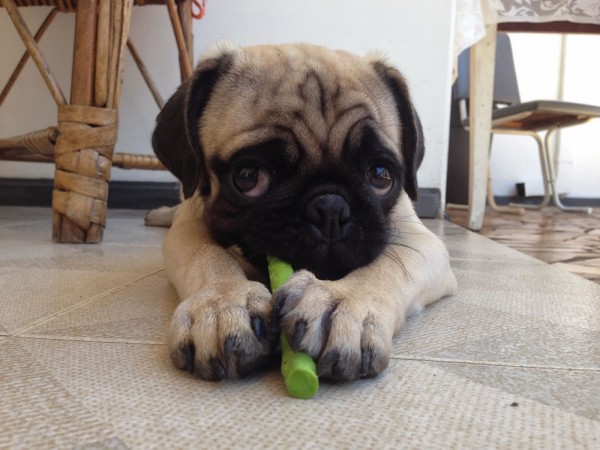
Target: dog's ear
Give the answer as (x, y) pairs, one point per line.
(176, 137)
(413, 146)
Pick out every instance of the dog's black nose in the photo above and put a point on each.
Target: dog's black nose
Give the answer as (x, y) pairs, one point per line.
(329, 212)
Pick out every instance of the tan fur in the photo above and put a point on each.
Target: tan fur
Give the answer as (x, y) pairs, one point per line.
(265, 76)
(261, 98)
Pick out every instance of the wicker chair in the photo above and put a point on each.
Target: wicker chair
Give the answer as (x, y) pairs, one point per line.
(82, 145)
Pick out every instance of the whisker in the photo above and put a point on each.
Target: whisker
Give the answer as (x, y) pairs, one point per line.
(398, 261)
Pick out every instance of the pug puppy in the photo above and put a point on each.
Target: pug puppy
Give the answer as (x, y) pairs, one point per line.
(309, 155)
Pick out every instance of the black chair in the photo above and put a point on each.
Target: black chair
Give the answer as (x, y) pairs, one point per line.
(510, 116)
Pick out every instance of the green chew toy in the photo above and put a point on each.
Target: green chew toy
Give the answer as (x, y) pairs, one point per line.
(298, 369)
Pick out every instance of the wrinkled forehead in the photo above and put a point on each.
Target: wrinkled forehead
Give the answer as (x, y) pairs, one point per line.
(312, 96)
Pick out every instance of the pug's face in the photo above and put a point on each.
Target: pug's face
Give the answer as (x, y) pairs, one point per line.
(296, 151)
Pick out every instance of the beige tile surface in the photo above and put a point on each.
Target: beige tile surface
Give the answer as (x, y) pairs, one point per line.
(37, 411)
(511, 361)
(566, 389)
(409, 403)
(474, 247)
(140, 312)
(104, 258)
(17, 247)
(29, 296)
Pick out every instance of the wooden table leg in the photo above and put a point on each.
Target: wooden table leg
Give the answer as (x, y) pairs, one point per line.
(483, 56)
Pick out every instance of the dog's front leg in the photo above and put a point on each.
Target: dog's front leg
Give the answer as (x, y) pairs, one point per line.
(348, 325)
(220, 329)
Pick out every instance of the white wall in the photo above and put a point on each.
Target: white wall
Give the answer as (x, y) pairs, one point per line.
(537, 60)
(415, 34)
(581, 145)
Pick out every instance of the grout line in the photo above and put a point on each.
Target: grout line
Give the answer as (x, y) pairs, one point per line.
(495, 364)
(44, 337)
(85, 302)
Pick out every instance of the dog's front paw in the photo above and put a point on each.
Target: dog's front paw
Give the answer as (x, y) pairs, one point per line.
(222, 332)
(347, 329)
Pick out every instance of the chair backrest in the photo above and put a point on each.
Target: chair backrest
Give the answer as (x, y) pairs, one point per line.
(506, 89)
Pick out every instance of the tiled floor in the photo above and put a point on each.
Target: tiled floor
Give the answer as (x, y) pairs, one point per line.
(511, 361)
(570, 241)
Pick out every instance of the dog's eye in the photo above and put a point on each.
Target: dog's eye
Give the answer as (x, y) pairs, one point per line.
(380, 179)
(251, 181)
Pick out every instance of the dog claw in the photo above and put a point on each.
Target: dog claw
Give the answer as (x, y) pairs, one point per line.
(258, 327)
(229, 346)
(299, 333)
(190, 354)
(277, 307)
(327, 362)
(219, 369)
(365, 363)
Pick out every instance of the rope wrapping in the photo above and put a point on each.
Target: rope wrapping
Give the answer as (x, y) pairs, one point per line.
(83, 152)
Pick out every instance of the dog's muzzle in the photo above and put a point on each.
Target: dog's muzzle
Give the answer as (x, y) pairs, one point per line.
(330, 214)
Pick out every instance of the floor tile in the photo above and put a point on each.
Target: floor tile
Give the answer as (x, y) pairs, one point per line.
(456, 330)
(525, 276)
(139, 312)
(423, 404)
(474, 247)
(18, 246)
(30, 295)
(450, 322)
(126, 228)
(539, 345)
(464, 244)
(11, 215)
(575, 391)
(103, 258)
(540, 292)
(36, 410)
(515, 314)
(511, 361)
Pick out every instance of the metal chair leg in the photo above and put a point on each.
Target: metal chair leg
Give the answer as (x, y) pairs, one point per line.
(552, 181)
(510, 209)
(544, 168)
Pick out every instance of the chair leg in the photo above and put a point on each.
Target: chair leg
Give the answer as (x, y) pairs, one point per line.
(510, 209)
(76, 209)
(88, 127)
(184, 10)
(83, 155)
(545, 173)
(552, 181)
(186, 63)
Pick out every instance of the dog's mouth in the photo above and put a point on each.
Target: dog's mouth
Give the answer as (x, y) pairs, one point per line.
(332, 260)
(326, 236)
(326, 260)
